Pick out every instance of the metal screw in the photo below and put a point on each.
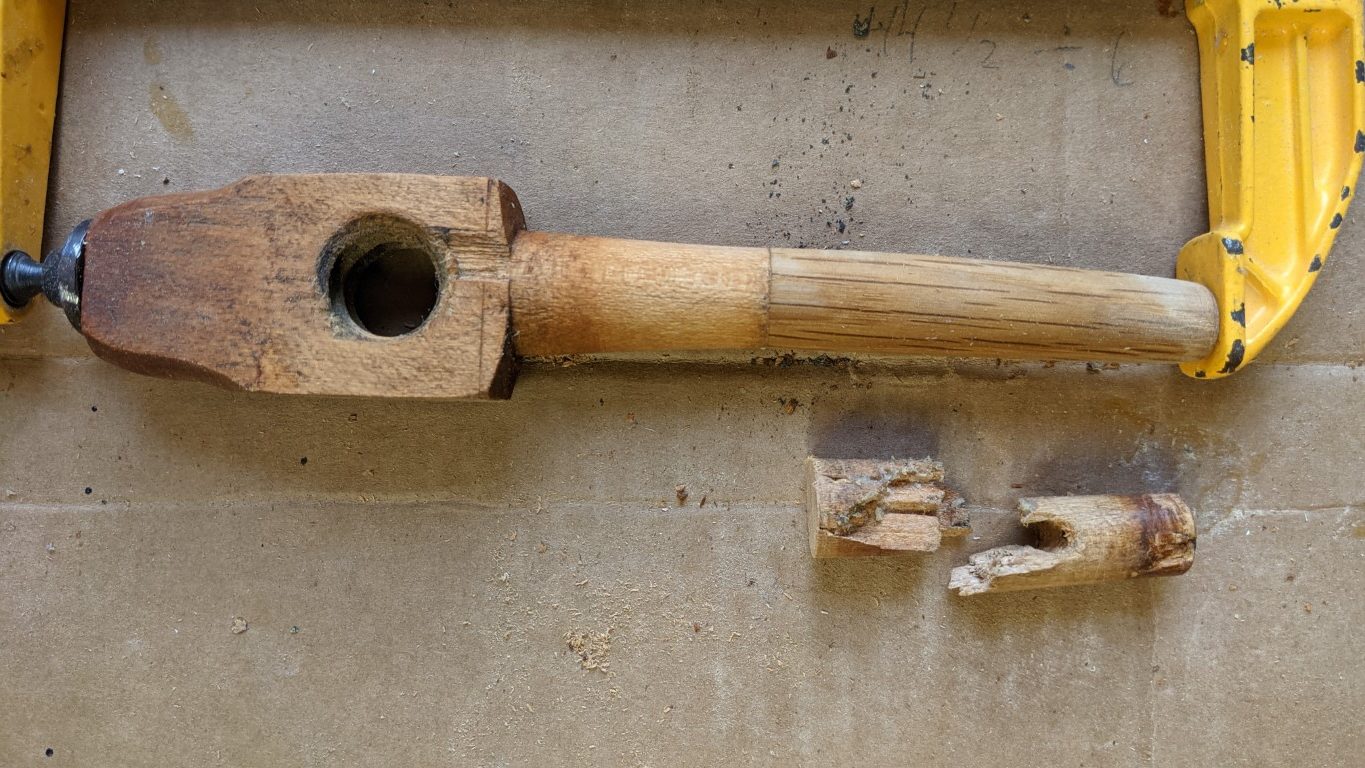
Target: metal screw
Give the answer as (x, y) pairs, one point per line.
(58, 277)
(21, 278)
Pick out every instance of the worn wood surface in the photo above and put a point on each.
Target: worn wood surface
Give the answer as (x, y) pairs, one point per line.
(867, 507)
(232, 285)
(1084, 540)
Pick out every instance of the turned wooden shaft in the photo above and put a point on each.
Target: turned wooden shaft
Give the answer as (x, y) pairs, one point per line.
(1085, 540)
(574, 294)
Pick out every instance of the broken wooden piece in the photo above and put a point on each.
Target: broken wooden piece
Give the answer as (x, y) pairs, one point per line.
(1084, 540)
(867, 507)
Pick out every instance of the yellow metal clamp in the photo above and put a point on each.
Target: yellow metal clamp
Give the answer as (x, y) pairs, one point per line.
(1284, 131)
(31, 42)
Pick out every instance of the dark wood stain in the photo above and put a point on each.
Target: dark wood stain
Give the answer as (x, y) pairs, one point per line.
(1165, 543)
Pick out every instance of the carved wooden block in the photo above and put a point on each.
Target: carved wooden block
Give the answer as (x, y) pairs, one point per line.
(338, 284)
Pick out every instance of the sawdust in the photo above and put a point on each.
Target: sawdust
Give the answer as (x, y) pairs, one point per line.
(590, 647)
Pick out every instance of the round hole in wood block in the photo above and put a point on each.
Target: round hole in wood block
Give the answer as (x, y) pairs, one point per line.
(384, 275)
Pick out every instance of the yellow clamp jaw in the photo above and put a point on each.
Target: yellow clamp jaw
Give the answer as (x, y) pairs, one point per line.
(31, 43)
(1284, 131)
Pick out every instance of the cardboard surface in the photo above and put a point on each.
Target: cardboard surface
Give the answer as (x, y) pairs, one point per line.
(429, 585)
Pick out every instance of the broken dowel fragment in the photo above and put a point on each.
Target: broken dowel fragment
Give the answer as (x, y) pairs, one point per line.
(1084, 540)
(866, 507)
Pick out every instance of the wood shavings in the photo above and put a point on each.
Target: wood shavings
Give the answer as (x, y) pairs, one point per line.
(590, 647)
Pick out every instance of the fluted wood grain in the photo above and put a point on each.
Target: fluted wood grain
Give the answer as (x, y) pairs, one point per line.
(937, 305)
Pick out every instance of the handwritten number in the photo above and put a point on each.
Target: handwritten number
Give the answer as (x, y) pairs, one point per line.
(986, 62)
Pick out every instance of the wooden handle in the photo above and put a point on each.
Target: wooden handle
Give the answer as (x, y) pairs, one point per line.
(574, 294)
(426, 286)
